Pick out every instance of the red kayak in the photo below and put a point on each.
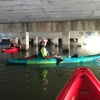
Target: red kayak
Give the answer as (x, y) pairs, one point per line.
(11, 49)
(82, 85)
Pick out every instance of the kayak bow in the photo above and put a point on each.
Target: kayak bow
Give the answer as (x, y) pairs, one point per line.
(82, 85)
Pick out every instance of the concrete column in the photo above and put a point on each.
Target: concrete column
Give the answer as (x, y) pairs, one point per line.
(66, 41)
(82, 38)
(57, 50)
(0, 41)
(56, 41)
(16, 40)
(36, 50)
(52, 41)
(36, 41)
(25, 41)
(80, 41)
(27, 53)
(11, 39)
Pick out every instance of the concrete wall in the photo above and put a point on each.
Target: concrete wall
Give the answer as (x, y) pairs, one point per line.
(50, 29)
(50, 26)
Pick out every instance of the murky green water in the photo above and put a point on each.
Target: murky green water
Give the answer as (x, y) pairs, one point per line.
(19, 82)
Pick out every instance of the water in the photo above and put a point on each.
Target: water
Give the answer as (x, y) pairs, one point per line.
(19, 82)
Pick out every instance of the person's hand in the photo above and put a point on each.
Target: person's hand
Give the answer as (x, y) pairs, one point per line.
(47, 57)
(54, 56)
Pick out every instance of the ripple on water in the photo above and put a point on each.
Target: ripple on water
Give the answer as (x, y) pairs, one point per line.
(24, 82)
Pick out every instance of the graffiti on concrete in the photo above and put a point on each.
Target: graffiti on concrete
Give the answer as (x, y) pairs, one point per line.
(23, 37)
(3, 34)
(89, 33)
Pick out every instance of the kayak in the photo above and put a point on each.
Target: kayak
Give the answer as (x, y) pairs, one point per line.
(82, 85)
(11, 49)
(30, 57)
(53, 61)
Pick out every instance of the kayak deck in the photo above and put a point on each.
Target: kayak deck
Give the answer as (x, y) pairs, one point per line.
(82, 85)
(37, 61)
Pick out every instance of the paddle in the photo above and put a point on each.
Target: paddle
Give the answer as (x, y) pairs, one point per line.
(58, 60)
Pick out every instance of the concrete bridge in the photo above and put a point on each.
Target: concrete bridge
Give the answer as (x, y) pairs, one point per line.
(81, 36)
(68, 17)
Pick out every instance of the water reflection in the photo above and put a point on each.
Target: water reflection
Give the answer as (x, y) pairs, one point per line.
(20, 82)
(43, 76)
(44, 81)
(83, 50)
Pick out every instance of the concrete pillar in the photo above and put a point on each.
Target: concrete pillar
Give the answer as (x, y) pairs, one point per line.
(0, 41)
(57, 50)
(36, 41)
(56, 41)
(66, 41)
(25, 41)
(52, 41)
(10, 39)
(80, 41)
(36, 50)
(27, 53)
(16, 40)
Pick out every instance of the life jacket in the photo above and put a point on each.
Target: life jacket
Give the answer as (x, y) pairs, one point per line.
(40, 47)
(40, 54)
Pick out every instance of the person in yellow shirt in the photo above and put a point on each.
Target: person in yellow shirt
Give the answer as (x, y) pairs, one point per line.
(43, 51)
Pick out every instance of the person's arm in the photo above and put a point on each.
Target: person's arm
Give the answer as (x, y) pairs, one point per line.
(52, 56)
(44, 54)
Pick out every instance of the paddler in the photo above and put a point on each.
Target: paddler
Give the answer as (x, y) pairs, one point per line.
(43, 51)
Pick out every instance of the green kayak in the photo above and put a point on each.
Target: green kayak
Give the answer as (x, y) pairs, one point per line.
(65, 60)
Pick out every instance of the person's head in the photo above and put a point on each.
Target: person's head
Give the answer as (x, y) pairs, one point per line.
(44, 41)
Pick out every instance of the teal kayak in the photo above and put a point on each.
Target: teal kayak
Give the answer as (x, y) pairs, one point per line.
(65, 60)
